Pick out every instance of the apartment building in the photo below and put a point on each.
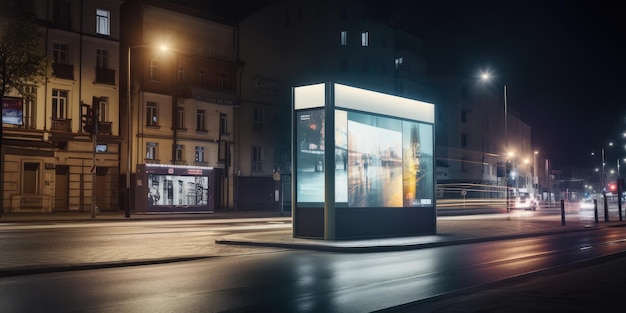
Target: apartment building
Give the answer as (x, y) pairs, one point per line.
(178, 107)
(51, 162)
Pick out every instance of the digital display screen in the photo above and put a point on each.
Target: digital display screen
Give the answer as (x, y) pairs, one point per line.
(380, 161)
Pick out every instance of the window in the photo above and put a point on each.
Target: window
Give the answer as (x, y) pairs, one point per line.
(199, 154)
(102, 58)
(257, 159)
(30, 106)
(151, 150)
(344, 38)
(102, 22)
(59, 103)
(102, 109)
(463, 116)
(399, 62)
(153, 70)
(201, 77)
(180, 117)
(223, 124)
(365, 39)
(222, 81)
(258, 119)
(181, 74)
(464, 139)
(151, 114)
(30, 182)
(180, 152)
(201, 120)
(60, 53)
(61, 13)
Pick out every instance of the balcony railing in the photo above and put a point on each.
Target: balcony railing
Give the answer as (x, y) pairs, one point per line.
(105, 76)
(61, 125)
(65, 71)
(104, 128)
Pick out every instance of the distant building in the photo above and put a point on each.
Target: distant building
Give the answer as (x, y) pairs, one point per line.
(51, 162)
(471, 150)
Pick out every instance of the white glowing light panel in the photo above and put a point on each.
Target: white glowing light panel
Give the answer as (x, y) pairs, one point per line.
(384, 148)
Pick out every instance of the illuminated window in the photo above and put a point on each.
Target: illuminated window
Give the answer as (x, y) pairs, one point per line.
(344, 38)
(365, 39)
(399, 62)
(151, 150)
(151, 114)
(199, 154)
(102, 22)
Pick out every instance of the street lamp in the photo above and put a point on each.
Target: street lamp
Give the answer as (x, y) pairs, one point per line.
(485, 76)
(129, 111)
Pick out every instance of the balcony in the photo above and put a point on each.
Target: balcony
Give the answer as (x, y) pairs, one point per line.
(61, 125)
(105, 76)
(65, 71)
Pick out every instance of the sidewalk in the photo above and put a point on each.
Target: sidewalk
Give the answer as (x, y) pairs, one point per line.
(450, 230)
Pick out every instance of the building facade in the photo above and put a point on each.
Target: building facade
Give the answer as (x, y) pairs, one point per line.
(294, 43)
(51, 162)
(179, 109)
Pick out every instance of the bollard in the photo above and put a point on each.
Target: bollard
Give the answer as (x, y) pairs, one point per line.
(606, 207)
(595, 209)
(562, 212)
(619, 200)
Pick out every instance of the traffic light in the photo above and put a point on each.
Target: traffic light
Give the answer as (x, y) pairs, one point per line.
(86, 118)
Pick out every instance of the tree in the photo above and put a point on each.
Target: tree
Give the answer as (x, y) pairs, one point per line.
(22, 61)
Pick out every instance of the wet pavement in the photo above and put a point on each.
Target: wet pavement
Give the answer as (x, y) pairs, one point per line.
(548, 291)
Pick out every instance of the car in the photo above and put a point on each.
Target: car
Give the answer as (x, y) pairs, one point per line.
(586, 204)
(525, 201)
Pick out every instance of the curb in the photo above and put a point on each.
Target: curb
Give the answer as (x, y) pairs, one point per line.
(47, 269)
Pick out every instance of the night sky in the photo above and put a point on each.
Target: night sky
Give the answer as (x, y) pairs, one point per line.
(563, 62)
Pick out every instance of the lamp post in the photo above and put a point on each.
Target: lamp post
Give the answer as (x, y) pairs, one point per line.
(485, 76)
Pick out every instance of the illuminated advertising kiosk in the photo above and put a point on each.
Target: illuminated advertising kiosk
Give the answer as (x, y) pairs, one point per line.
(171, 188)
(363, 164)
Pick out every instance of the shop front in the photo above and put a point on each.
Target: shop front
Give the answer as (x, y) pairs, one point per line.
(172, 189)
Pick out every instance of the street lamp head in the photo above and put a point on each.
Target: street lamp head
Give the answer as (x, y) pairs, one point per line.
(485, 76)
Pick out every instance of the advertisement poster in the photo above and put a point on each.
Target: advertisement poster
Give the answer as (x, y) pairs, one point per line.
(310, 155)
(12, 112)
(379, 161)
